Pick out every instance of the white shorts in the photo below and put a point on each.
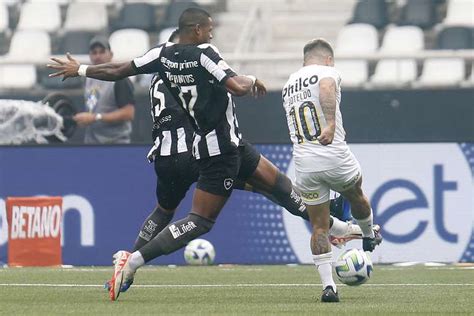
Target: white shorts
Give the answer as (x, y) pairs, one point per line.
(315, 186)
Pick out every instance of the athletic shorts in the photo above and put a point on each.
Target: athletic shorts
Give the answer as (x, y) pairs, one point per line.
(315, 186)
(221, 174)
(175, 174)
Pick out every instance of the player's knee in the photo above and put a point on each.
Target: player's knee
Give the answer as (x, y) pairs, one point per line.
(168, 205)
(360, 201)
(203, 225)
(283, 186)
(354, 196)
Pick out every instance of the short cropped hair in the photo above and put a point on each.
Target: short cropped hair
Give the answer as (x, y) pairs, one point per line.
(191, 17)
(318, 47)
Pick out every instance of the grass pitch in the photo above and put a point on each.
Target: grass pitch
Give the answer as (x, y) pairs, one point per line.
(244, 290)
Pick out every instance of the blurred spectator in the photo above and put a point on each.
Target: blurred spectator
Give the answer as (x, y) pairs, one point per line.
(110, 105)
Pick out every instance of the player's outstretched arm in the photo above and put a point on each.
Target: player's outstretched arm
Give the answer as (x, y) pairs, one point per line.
(68, 68)
(242, 85)
(327, 99)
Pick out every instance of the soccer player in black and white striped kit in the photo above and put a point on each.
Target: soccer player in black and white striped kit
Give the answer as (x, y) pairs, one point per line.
(203, 84)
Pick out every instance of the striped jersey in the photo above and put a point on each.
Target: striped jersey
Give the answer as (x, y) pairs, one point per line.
(195, 76)
(172, 130)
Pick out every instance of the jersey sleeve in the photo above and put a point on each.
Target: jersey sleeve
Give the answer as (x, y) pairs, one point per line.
(212, 61)
(149, 62)
(123, 90)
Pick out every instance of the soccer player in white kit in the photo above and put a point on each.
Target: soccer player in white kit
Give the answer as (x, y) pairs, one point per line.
(323, 160)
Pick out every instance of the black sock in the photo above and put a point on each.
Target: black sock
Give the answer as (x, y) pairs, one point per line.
(176, 236)
(154, 224)
(285, 195)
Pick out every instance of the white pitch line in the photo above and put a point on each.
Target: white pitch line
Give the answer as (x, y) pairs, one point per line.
(227, 285)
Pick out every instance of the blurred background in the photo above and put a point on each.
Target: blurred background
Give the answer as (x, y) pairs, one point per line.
(407, 102)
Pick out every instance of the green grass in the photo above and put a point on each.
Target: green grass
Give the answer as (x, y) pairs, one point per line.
(244, 290)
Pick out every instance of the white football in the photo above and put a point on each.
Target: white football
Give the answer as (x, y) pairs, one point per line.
(353, 267)
(199, 252)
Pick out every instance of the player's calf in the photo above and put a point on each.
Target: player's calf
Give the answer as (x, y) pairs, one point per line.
(153, 224)
(176, 236)
(287, 197)
(362, 213)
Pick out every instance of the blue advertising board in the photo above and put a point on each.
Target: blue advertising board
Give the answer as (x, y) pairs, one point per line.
(109, 190)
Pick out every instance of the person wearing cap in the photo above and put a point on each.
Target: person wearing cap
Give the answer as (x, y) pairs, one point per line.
(110, 106)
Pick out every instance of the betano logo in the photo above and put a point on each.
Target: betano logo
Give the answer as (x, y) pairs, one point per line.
(39, 222)
(48, 223)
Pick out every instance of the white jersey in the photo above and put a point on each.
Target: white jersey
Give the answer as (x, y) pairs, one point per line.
(306, 120)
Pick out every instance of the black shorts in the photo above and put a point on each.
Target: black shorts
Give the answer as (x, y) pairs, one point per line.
(221, 174)
(175, 174)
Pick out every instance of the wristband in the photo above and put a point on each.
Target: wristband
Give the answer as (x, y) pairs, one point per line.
(82, 70)
(98, 117)
(253, 78)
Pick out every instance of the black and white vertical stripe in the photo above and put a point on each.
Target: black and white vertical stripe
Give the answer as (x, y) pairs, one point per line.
(171, 142)
(218, 140)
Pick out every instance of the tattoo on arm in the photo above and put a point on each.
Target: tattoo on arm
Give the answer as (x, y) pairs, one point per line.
(327, 98)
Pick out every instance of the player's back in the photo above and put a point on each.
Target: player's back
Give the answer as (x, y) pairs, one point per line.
(172, 129)
(204, 98)
(195, 75)
(305, 119)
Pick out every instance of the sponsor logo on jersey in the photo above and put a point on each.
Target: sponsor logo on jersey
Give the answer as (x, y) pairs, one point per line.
(299, 84)
(175, 65)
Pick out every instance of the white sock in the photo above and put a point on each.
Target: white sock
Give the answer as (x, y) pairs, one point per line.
(323, 264)
(366, 225)
(136, 260)
(338, 228)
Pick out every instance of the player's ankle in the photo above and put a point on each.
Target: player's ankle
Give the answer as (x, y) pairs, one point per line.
(136, 261)
(367, 226)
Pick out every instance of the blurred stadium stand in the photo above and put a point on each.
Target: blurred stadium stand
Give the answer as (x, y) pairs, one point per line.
(356, 39)
(32, 17)
(399, 71)
(380, 45)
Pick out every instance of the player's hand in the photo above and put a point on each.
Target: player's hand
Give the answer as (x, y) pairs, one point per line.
(259, 89)
(327, 136)
(65, 67)
(84, 118)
